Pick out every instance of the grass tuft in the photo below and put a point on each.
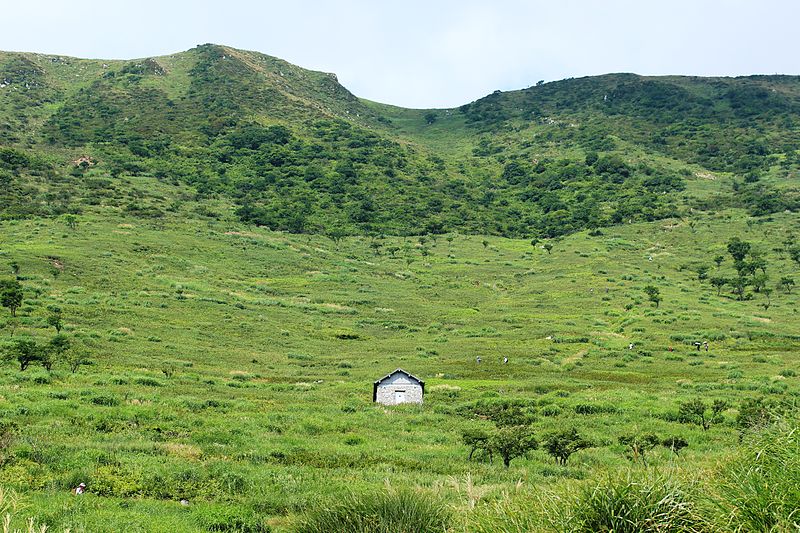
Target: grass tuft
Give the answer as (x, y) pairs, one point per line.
(760, 490)
(389, 511)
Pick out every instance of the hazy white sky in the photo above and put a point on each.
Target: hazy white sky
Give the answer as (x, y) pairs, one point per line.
(432, 53)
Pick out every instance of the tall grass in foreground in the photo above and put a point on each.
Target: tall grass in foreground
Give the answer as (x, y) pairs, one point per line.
(636, 502)
(757, 490)
(9, 503)
(389, 511)
(760, 490)
(632, 501)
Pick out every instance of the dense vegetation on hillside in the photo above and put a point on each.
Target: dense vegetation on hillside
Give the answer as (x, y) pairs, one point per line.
(296, 151)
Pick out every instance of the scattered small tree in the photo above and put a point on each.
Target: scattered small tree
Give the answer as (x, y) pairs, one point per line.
(55, 318)
(738, 248)
(336, 234)
(702, 272)
(76, 357)
(739, 284)
(25, 352)
(562, 444)
(675, 444)
(512, 442)
(638, 445)
(695, 412)
(478, 441)
(719, 282)
(794, 253)
(718, 260)
(766, 291)
(11, 295)
(757, 262)
(786, 284)
(71, 221)
(759, 282)
(55, 349)
(548, 246)
(653, 294)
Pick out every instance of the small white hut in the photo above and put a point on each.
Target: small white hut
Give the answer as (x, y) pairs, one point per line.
(398, 387)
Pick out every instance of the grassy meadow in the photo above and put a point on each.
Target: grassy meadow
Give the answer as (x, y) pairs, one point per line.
(217, 253)
(232, 366)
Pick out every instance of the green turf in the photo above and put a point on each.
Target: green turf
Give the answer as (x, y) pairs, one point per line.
(269, 411)
(232, 365)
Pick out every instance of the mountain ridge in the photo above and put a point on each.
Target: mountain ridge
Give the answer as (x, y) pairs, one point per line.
(293, 149)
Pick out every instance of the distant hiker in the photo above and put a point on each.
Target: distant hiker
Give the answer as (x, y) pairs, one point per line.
(697, 345)
(80, 489)
(478, 359)
(670, 348)
(630, 346)
(705, 345)
(505, 360)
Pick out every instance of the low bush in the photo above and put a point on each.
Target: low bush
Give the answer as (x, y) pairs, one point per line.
(148, 382)
(593, 409)
(108, 401)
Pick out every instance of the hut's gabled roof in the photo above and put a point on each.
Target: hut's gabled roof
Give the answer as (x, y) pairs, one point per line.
(390, 374)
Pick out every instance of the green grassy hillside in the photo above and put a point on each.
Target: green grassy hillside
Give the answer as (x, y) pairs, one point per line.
(233, 366)
(206, 259)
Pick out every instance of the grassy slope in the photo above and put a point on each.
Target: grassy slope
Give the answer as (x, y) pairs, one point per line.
(269, 410)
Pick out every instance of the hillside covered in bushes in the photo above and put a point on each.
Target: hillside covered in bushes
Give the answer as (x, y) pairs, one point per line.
(295, 151)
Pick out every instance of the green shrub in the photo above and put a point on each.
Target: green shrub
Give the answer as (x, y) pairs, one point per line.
(593, 409)
(104, 400)
(148, 382)
(391, 511)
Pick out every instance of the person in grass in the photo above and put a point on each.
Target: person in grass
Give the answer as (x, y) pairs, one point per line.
(80, 489)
